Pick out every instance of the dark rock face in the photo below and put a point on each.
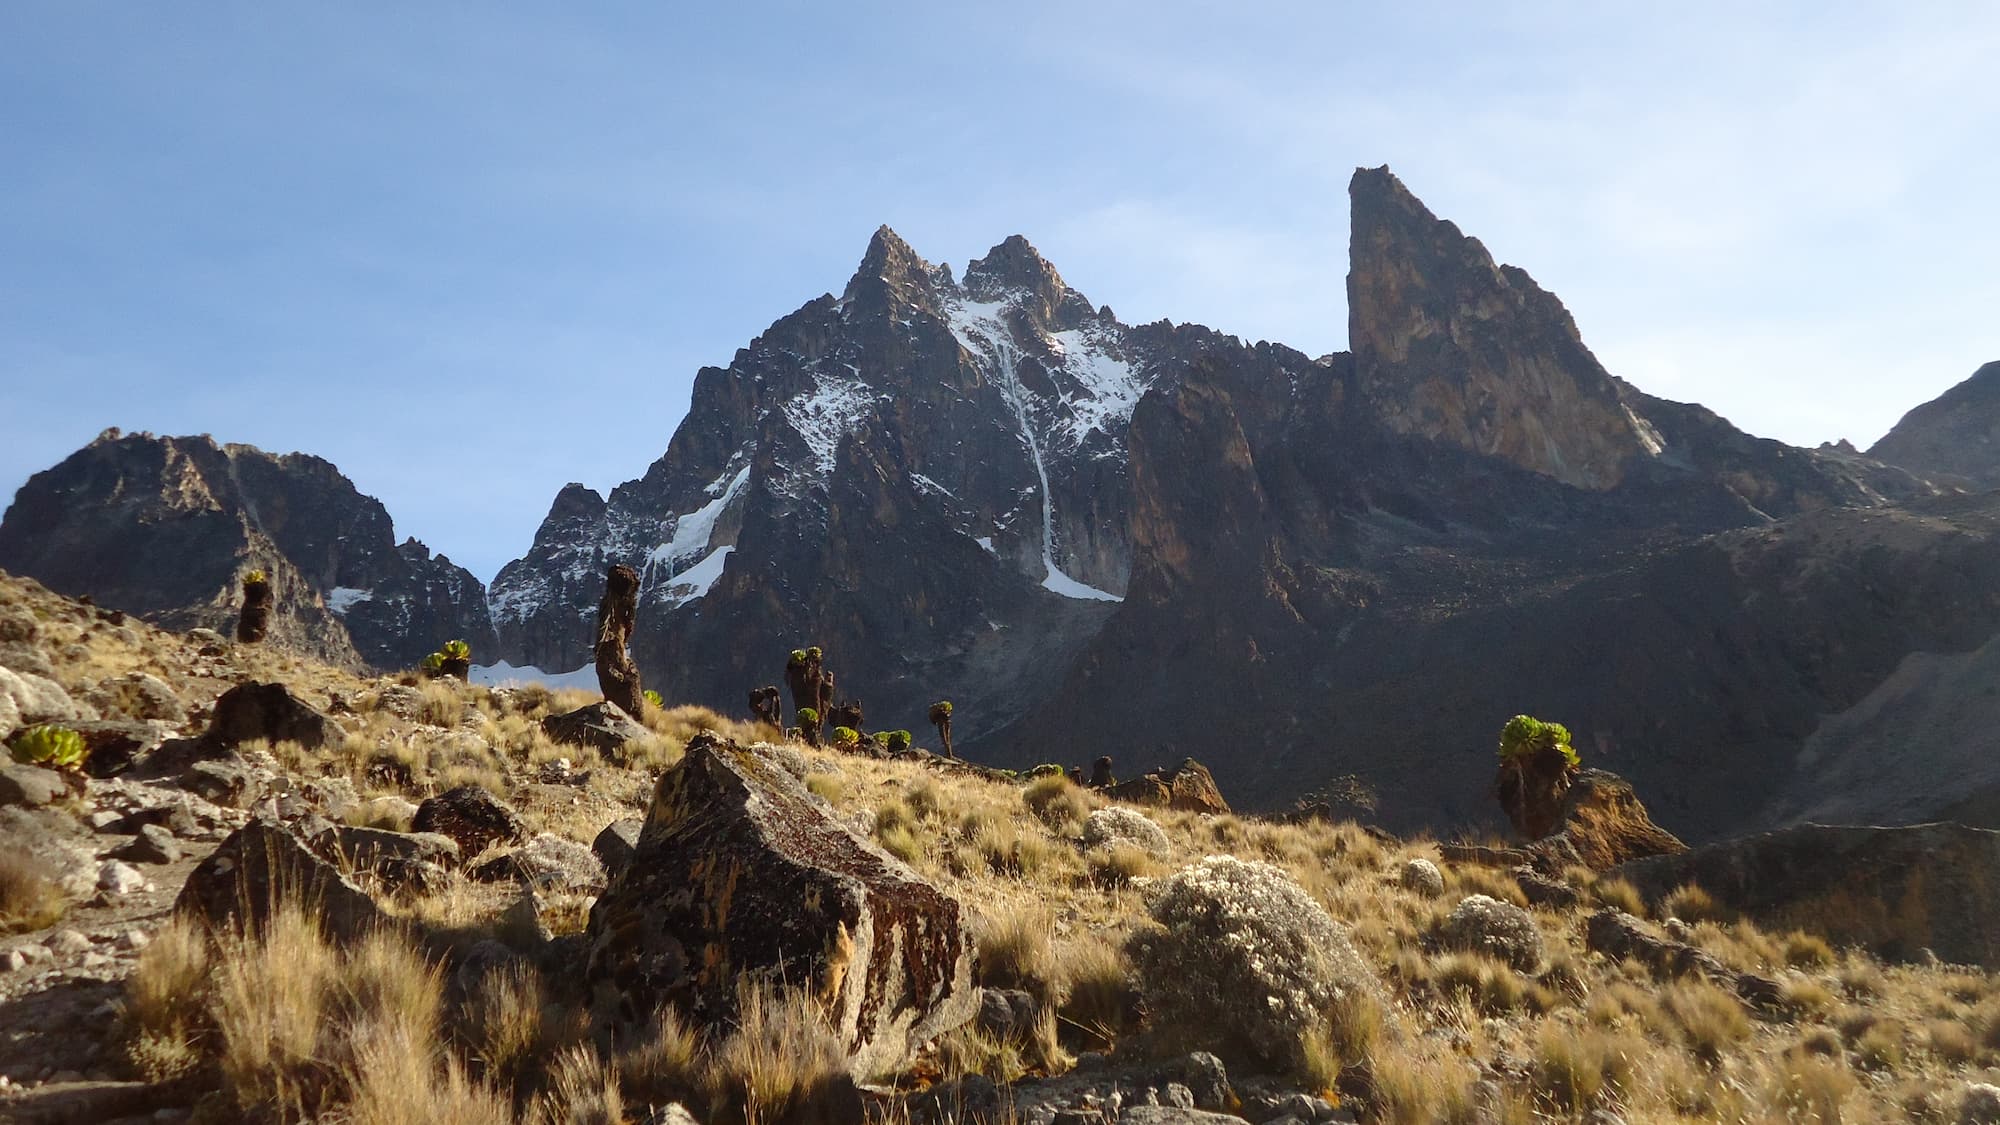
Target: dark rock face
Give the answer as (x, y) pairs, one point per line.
(471, 817)
(262, 865)
(1894, 890)
(164, 527)
(1189, 787)
(739, 873)
(1955, 437)
(600, 724)
(267, 711)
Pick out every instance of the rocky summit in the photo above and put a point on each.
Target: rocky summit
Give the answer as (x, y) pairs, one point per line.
(164, 527)
(1156, 542)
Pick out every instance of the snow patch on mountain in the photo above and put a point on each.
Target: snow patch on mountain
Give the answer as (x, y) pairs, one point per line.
(503, 674)
(343, 598)
(829, 412)
(692, 531)
(1111, 387)
(695, 581)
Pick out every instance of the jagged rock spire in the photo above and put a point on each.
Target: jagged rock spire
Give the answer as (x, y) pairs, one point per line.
(890, 276)
(1451, 346)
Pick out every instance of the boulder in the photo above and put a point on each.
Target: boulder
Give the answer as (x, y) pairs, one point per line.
(471, 816)
(153, 844)
(546, 863)
(416, 860)
(602, 725)
(615, 845)
(739, 874)
(140, 697)
(29, 786)
(117, 746)
(1600, 824)
(19, 625)
(1621, 937)
(38, 699)
(1124, 826)
(1486, 925)
(1190, 788)
(270, 712)
(26, 658)
(263, 864)
(1896, 891)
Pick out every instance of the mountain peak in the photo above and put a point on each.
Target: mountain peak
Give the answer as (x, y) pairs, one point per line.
(1453, 347)
(1955, 435)
(1016, 267)
(891, 274)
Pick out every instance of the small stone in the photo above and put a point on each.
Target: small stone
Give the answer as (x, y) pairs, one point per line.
(69, 943)
(95, 960)
(29, 787)
(153, 844)
(1979, 1105)
(134, 940)
(13, 961)
(1177, 1095)
(37, 954)
(102, 819)
(120, 878)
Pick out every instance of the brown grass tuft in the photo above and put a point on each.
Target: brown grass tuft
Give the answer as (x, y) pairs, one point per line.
(1057, 802)
(30, 898)
(780, 1056)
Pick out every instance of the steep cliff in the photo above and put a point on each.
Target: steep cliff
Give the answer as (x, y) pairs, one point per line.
(1954, 437)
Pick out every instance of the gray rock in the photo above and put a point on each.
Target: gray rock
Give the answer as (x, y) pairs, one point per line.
(675, 1114)
(29, 787)
(473, 817)
(259, 866)
(26, 658)
(1979, 1105)
(270, 712)
(138, 695)
(602, 725)
(13, 961)
(1173, 1115)
(226, 783)
(400, 860)
(1006, 1013)
(1205, 1078)
(616, 844)
(38, 699)
(69, 943)
(546, 863)
(153, 844)
(1487, 925)
(120, 879)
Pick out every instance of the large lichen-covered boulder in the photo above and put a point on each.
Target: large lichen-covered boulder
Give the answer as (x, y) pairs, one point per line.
(1601, 823)
(739, 873)
(1897, 891)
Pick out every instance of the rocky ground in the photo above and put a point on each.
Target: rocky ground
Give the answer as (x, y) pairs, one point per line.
(817, 934)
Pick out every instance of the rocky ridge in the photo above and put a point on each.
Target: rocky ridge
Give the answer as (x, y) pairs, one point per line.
(164, 527)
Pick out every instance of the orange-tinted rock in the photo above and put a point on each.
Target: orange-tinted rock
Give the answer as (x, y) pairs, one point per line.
(740, 874)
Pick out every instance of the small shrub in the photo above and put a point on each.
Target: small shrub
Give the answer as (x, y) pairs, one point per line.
(51, 746)
(1240, 952)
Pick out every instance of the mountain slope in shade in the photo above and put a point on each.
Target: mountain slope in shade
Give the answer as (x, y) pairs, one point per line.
(1953, 437)
(163, 527)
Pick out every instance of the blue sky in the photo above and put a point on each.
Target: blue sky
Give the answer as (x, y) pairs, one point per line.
(471, 252)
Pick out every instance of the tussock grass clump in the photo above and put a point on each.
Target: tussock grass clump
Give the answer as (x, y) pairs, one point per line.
(668, 1064)
(1951, 1041)
(780, 1056)
(1812, 1088)
(1806, 996)
(1691, 904)
(1577, 1070)
(830, 787)
(1099, 998)
(1710, 1020)
(163, 1013)
(1618, 895)
(1882, 1046)
(925, 798)
(1807, 951)
(30, 897)
(1489, 984)
(1119, 864)
(1415, 1089)
(1017, 951)
(1057, 802)
(582, 1090)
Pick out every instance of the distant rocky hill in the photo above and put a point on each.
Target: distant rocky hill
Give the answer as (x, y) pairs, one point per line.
(1954, 437)
(163, 527)
(1157, 541)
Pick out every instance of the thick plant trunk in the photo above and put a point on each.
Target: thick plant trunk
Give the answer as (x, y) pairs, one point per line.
(1530, 788)
(1100, 774)
(255, 619)
(456, 669)
(617, 675)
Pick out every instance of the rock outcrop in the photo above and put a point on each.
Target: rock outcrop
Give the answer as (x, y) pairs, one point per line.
(263, 866)
(1897, 891)
(164, 527)
(1955, 437)
(740, 875)
(1601, 824)
(1450, 347)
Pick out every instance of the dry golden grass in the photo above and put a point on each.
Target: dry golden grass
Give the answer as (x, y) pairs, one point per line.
(1058, 802)
(780, 1055)
(30, 897)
